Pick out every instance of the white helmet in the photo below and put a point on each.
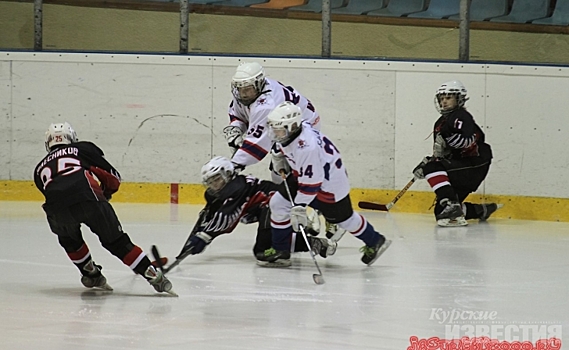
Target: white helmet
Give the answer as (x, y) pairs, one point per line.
(217, 173)
(455, 88)
(284, 120)
(59, 134)
(248, 74)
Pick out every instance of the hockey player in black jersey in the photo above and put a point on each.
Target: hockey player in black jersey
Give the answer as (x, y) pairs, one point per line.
(77, 182)
(460, 161)
(233, 198)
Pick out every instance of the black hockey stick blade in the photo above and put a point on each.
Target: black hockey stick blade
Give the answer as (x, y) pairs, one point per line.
(373, 206)
(179, 259)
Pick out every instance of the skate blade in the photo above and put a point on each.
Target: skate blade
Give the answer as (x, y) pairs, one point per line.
(452, 223)
(274, 264)
(172, 293)
(106, 287)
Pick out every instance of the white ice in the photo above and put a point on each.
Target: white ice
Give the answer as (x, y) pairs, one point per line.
(513, 272)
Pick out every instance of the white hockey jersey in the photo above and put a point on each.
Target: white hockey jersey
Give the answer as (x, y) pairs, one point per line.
(318, 166)
(252, 120)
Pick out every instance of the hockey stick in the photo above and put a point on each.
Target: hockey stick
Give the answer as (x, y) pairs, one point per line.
(386, 207)
(317, 277)
(184, 253)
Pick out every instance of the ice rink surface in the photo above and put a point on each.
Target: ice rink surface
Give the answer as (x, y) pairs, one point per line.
(508, 278)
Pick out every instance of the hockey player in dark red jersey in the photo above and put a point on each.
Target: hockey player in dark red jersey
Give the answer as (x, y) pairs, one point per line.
(233, 198)
(460, 161)
(67, 177)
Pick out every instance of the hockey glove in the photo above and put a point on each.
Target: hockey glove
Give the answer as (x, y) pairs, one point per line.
(198, 243)
(418, 171)
(234, 137)
(440, 147)
(279, 162)
(298, 217)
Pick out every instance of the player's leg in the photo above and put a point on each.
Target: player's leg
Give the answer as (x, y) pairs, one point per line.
(467, 180)
(448, 210)
(281, 233)
(69, 236)
(103, 221)
(342, 214)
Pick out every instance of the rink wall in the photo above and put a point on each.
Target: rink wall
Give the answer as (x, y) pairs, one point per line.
(159, 118)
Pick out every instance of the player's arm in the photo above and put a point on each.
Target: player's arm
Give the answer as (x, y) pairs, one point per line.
(223, 214)
(235, 132)
(257, 142)
(108, 176)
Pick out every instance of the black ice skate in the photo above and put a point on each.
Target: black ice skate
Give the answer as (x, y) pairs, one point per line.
(322, 246)
(372, 253)
(93, 278)
(273, 258)
(487, 210)
(452, 214)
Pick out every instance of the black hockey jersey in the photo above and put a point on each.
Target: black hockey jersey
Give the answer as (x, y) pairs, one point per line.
(75, 173)
(243, 196)
(464, 138)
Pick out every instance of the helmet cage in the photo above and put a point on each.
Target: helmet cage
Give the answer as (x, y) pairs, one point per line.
(248, 74)
(216, 174)
(454, 88)
(285, 117)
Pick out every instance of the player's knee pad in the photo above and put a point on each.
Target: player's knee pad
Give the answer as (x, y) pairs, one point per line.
(280, 208)
(354, 224)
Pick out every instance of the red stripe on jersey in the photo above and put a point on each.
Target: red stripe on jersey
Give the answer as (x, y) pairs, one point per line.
(80, 254)
(326, 197)
(132, 256)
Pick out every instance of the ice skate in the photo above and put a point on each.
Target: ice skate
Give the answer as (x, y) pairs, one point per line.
(94, 278)
(334, 232)
(452, 214)
(273, 258)
(157, 280)
(322, 246)
(488, 209)
(372, 253)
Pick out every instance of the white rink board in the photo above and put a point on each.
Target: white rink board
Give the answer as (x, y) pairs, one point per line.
(159, 118)
(5, 120)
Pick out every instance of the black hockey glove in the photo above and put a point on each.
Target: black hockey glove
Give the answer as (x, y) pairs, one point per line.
(197, 243)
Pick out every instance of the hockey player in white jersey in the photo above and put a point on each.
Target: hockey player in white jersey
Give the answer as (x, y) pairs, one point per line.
(322, 183)
(254, 97)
